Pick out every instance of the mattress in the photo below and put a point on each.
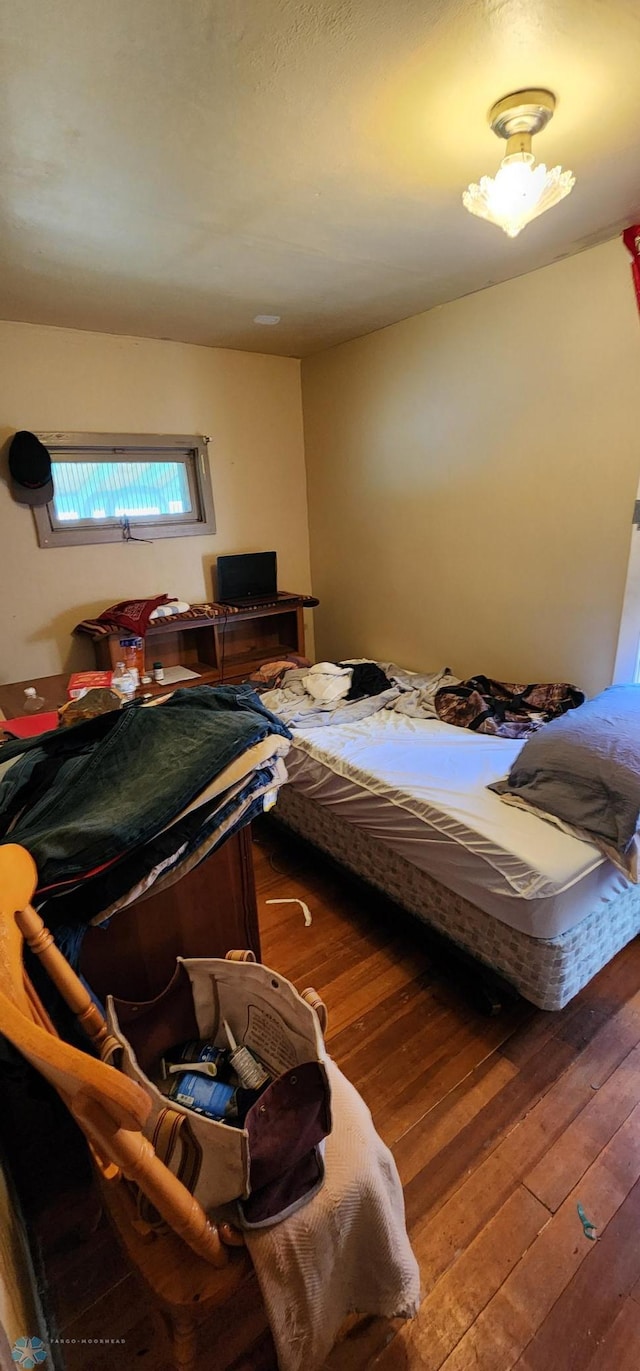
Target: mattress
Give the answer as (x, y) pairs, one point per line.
(420, 787)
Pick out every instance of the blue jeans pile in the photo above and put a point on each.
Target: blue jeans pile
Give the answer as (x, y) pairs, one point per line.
(100, 805)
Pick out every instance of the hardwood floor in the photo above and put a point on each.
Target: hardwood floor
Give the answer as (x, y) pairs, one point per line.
(500, 1128)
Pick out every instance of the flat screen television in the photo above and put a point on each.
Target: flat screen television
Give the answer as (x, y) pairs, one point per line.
(246, 576)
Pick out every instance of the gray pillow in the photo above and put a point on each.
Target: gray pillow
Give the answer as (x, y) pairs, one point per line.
(582, 771)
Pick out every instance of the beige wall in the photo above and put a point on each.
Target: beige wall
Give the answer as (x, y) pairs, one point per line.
(249, 405)
(471, 476)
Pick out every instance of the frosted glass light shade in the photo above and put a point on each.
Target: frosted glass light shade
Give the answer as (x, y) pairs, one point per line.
(518, 193)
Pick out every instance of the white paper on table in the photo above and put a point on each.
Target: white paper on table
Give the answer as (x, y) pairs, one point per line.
(172, 674)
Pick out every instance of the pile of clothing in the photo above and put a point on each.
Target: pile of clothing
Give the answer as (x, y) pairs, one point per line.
(327, 693)
(345, 692)
(128, 802)
(504, 708)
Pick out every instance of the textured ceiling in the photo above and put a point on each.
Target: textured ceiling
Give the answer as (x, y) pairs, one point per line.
(170, 168)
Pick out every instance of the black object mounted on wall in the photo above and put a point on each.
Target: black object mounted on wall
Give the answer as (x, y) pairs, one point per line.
(30, 470)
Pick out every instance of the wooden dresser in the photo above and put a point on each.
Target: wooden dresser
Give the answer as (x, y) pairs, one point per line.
(206, 913)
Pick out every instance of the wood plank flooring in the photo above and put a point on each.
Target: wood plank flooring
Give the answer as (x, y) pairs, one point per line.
(500, 1128)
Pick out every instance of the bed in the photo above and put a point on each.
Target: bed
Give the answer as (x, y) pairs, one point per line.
(403, 803)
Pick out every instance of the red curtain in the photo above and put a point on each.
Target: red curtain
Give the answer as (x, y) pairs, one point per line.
(631, 240)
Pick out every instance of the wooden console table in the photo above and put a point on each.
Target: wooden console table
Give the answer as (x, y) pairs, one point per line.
(209, 911)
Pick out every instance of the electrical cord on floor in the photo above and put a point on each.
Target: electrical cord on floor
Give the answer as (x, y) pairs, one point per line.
(280, 871)
(269, 854)
(224, 630)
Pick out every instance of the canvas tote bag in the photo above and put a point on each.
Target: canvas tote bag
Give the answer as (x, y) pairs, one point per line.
(273, 1164)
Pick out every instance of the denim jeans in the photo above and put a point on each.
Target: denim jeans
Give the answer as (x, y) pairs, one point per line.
(168, 849)
(82, 796)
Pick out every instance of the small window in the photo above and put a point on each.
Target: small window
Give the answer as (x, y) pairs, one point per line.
(109, 487)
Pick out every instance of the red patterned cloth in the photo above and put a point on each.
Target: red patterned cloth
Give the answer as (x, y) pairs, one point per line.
(134, 615)
(105, 624)
(102, 627)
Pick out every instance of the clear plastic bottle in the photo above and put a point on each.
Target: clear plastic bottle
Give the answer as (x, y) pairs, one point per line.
(123, 680)
(132, 650)
(32, 701)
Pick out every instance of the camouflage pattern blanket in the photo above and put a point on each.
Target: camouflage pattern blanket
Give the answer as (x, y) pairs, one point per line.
(503, 708)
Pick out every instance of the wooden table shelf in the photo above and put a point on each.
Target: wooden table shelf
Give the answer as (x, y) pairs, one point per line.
(224, 648)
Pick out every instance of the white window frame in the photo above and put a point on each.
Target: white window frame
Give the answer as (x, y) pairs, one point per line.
(627, 667)
(130, 447)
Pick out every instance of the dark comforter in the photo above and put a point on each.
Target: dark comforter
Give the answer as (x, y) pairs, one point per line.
(503, 708)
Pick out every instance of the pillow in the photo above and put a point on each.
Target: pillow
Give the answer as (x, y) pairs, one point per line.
(165, 611)
(582, 772)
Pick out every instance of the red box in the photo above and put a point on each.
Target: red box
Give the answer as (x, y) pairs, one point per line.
(87, 680)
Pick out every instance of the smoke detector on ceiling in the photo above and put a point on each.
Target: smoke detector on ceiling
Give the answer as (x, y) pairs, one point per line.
(266, 319)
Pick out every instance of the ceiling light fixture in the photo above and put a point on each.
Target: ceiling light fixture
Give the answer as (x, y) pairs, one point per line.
(521, 190)
(266, 319)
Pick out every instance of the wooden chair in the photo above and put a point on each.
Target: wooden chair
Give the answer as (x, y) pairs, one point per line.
(189, 1265)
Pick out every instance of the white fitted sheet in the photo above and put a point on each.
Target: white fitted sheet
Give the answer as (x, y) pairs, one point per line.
(420, 786)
